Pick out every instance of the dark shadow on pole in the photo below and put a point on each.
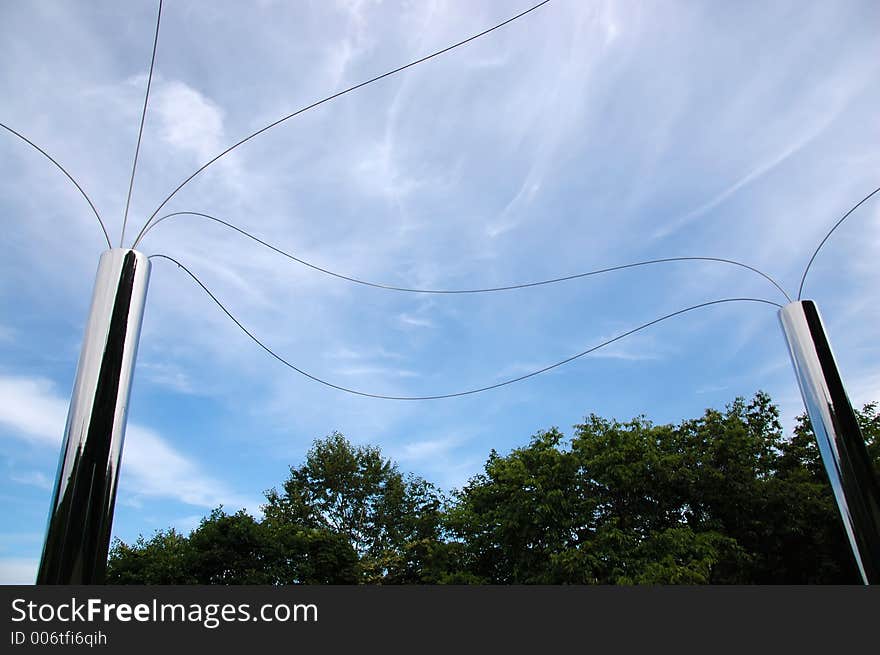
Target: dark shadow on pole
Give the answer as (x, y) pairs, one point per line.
(838, 435)
(81, 515)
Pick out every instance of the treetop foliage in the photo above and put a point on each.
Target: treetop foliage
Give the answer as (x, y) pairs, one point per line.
(725, 498)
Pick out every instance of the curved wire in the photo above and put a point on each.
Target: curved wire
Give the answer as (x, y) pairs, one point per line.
(69, 177)
(137, 148)
(463, 291)
(459, 393)
(332, 97)
(836, 225)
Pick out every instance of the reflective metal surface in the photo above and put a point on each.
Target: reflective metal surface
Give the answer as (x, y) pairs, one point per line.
(840, 440)
(78, 533)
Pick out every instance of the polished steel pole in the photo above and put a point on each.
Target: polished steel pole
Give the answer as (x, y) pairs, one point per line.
(81, 515)
(836, 427)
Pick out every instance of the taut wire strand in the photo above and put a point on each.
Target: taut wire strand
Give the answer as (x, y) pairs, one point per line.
(458, 393)
(137, 148)
(830, 232)
(333, 97)
(68, 175)
(464, 291)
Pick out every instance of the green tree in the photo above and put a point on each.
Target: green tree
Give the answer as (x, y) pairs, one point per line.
(297, 555)
(164, 559)
(230, 549)
(392, 522)
(806, 543)
(524, 519)
(233, 549)
(722, 498)
(657, 490)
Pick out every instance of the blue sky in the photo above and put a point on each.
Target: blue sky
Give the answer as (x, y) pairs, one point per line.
(585, 135)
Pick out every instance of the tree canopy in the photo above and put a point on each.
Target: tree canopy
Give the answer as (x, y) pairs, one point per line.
(725, 498)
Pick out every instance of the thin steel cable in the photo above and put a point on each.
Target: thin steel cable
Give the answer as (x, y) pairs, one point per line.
(137, 148)
(459, 393)
(69, 177)
(830, 232)
(333, 97)
(464, 291)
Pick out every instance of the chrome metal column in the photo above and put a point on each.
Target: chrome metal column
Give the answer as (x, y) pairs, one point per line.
(840, 440)
(81, 516)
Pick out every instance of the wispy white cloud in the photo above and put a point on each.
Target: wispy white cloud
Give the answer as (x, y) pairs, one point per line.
(32, 478)
(624, 354)
(31, 409)
(757, 172)
(167, 375)
(151, 466)
(186, 524)
(640, 347)
(356, 42)
(711, 388)
(446, 460)
(508, 219)
(865, 389)
(188, 120)
(415, 321)
(375, 371)
(158, 470)
(379, 171)
(18, 570)
(419, 451)
(344, 353)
